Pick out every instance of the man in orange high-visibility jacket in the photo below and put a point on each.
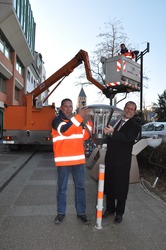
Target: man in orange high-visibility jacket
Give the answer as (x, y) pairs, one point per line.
(124, 51)
(69, 133)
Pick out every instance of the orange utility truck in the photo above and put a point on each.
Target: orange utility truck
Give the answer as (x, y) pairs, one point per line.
(31, 122)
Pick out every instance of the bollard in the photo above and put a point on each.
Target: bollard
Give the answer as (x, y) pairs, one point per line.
(100, 197)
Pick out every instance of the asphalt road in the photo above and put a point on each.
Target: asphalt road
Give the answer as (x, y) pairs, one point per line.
(28, 209)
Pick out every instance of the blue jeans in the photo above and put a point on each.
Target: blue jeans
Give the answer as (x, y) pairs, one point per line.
(78, 174)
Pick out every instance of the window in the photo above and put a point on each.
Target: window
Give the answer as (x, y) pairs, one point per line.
(28, 75)
(31, 79)
(16, 93)
(14, 4)
(1, 45)
(2, 84)
(144, 127)
(4, 47)
(159, 127)
(151, 127)
(19, 67)
(7, 52)
(25, 17)
(34, 84)
(18, 8)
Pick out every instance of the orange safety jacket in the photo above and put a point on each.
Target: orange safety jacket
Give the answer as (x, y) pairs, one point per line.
(68, 146)
(129, 55)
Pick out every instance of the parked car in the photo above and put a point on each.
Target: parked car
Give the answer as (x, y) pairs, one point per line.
(153, 129)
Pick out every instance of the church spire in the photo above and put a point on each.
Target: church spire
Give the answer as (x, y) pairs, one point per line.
(81, 99)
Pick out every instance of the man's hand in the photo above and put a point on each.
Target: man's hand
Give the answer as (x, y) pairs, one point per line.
(84, 112)
(108, 130)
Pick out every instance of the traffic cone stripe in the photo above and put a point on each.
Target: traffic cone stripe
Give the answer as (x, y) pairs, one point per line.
(99, 214)
(101, 176)
(100, 195)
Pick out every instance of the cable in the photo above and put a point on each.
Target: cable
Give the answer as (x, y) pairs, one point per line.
(146, 186)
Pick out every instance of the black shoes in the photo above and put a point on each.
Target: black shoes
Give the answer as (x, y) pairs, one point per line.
(118, 218)
(107, 213)
(84, 218)
(59, 218)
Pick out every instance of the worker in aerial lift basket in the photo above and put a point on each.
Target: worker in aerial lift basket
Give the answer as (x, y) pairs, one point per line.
(120, 142)
(123, 48)
(124, 51)
(69, 132)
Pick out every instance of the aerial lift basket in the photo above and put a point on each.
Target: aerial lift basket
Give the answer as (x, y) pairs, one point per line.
(121, 71)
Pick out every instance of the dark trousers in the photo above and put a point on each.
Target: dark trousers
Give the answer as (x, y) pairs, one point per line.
(113, 205)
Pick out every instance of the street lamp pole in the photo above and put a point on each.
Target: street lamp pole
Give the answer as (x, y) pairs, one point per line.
(140, 56)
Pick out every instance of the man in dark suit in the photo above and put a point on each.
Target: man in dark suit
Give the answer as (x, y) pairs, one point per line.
(118, 161)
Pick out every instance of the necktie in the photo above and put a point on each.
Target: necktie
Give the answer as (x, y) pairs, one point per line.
(122, 122)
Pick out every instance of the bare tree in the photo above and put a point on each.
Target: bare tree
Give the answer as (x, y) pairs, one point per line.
(111, 36)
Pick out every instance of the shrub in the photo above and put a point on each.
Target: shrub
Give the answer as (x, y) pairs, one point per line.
(158, 156)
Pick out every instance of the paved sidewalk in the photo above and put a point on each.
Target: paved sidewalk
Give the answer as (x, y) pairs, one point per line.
(28, 209)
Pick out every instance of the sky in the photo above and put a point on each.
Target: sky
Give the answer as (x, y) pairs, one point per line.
(64, 27)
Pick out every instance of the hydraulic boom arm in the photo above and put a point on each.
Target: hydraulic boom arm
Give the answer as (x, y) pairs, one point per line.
(82, 56)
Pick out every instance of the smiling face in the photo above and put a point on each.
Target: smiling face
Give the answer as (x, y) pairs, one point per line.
(67, 108)
(129, 110)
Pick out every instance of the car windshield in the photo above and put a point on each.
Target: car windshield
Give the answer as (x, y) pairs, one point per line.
(153, 127)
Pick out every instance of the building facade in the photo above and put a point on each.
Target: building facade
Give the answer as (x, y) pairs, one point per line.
(17, 43)
(21, 68)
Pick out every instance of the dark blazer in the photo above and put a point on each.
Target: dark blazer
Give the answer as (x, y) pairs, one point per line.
(118, 160)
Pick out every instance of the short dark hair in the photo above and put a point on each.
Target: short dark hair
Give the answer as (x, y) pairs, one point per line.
(131, 102)
(65, 100)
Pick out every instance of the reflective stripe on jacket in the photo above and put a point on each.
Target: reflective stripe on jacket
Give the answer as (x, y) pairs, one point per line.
(68, 146)
(129, 55)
